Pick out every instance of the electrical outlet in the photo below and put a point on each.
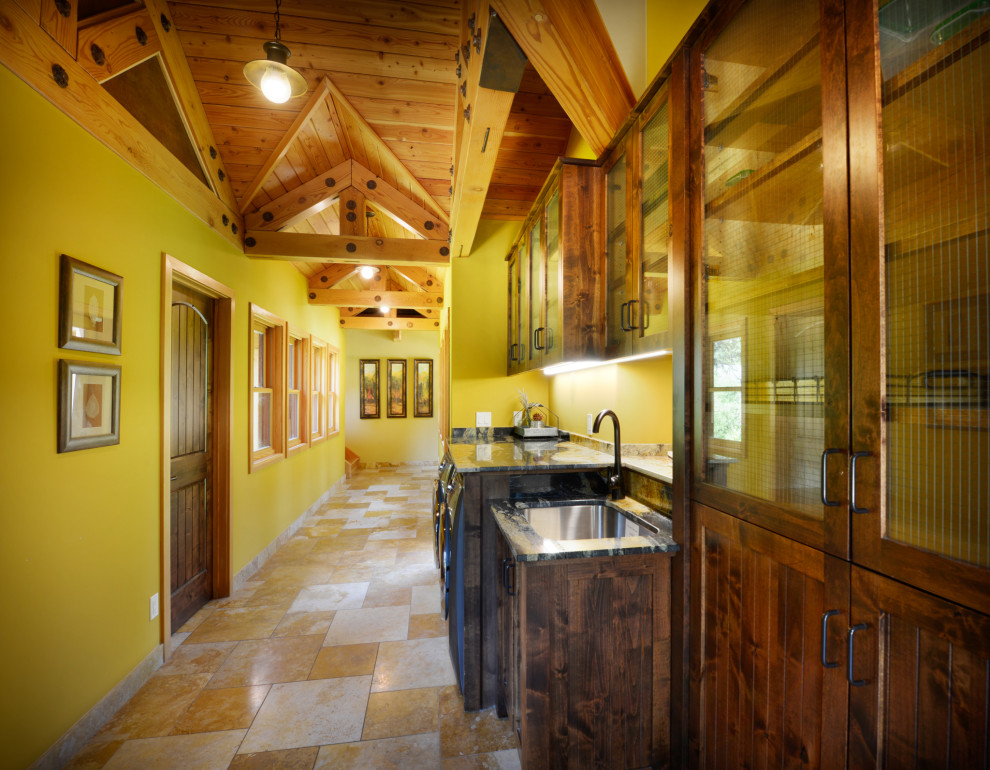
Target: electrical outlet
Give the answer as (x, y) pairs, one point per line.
(482, 419)
(591, 424)
(154, 607)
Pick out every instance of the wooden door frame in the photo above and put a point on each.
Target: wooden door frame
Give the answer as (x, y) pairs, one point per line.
(173, 270)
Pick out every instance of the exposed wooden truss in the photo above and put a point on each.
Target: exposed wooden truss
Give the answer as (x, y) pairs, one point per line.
(355, 249)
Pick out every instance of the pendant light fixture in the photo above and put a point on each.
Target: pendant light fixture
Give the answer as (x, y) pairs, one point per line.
(276, 79)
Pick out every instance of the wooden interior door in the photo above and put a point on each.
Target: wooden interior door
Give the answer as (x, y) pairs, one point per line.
(190, 495)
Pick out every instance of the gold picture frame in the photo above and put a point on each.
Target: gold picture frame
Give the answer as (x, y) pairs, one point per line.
(368, 382)
(422, 387)
(88, 405)
(89, 307)
(396, 374)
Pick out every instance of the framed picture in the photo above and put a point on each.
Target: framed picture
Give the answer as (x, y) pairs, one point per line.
(89, 308)
(422, 387)
(88, 405)
(396, 387)
(368, 379)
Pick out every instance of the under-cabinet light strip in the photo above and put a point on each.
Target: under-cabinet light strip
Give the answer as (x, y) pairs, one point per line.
(575, 366)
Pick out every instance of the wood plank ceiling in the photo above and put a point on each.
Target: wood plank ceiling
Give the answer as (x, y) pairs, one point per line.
(392, 69)
(390, 87)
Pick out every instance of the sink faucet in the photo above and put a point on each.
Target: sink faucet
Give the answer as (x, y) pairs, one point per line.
(615, 480)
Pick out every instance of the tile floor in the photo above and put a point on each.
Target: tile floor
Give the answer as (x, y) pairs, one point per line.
(333, 655)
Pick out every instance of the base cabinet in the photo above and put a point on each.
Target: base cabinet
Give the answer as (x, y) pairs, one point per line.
(584, 663)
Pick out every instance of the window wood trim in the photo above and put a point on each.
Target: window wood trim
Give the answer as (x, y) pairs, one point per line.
(316, 344)
(293, 446)
(333, 390)
(275, 330)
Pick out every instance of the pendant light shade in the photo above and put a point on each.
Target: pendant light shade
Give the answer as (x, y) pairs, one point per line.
(276, 79)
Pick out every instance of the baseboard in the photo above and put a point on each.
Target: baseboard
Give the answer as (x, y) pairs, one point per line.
(77, 736)
(244, 574)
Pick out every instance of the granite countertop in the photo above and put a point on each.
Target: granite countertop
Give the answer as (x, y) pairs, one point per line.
(525, 455)
(527, 545)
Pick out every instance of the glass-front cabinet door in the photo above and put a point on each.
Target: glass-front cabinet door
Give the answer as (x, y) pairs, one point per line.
(537, 329)
(921, 256)
(616, 286)
(515, 352)
(650, 314)
(772, 273)
(552, 310)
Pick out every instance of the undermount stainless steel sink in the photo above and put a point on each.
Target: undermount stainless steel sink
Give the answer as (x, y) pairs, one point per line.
(586, 521)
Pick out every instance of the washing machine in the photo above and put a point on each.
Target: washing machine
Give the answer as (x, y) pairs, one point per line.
(452, 585)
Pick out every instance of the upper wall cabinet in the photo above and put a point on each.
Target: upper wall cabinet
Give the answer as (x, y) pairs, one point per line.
(556, 298)
(638, 233)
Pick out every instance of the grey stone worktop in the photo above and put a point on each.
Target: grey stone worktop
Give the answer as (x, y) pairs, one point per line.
(527, 545)
(525, 455)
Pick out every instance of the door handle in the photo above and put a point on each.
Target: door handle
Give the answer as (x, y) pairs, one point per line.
(632, 302)
(825, 617)
(852, 482)
(507, 564)
(825, 454)
(849, 655)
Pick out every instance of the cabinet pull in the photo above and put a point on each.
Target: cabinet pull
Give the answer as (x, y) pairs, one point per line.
(507, 563)
(536, 338)
(512, 351)
(623, 314)
(825, 617)
(632, 302)
(849, 655)
(825, 454)
(852, 482)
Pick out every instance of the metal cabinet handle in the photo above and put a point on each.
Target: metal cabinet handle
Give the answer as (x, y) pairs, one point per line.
(849, 655)
(825, 617)
(536, 338)
(512, 351)
(852, 482)
(623, 315)
(507, 564)
(632, 302)
(825, 454)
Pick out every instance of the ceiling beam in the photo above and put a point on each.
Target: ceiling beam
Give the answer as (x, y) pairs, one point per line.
(354, 249)
(392, 299)
(390, 324)
(108, 48)
(301, 202)
(423, 277)
(314, 103)
(483, 106)
(187, 98)
(569, 47)
(31, 54)
(410, 215)
(331, 276)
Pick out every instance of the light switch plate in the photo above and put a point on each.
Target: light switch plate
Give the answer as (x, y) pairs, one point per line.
(482, 419)
(153, 604)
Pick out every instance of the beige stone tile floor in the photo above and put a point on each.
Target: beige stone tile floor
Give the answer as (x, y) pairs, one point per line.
(332, 655)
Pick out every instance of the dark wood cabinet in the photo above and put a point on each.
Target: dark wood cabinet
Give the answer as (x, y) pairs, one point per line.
(556, 296)
(585, 659)
(838, 371)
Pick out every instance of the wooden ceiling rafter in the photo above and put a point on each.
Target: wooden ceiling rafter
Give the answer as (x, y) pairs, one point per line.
(355, 249)
(105, 47)
(393, 299)
(495, 66)
(302, 202)
(570, 48)
(390, 323)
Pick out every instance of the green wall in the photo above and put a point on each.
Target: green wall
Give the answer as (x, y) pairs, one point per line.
(79, 549)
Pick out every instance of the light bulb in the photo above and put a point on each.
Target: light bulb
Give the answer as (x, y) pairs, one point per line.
(385, 309)
(275, 85)
(367, 272)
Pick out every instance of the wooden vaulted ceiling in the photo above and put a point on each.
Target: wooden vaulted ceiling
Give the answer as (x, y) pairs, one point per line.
(385, 126)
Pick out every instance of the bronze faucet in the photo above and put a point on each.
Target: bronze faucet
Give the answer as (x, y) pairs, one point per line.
(615, 480)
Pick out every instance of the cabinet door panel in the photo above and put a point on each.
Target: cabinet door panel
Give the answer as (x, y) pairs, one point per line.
(926, 667)
(553, 337)
(922, 297)
(773, 387)
(655, 222)
(762, 696)
(616, 254)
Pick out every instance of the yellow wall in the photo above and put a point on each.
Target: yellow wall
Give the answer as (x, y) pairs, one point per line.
(79, 550)
(479, 331)
(390, 439)
(666, 24)
(639, 392)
